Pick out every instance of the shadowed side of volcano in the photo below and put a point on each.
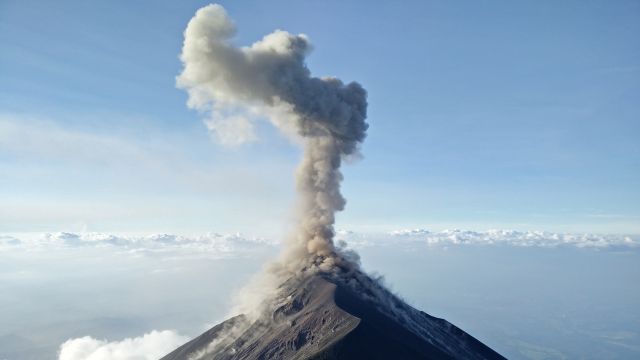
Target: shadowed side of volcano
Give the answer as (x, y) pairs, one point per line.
(381, 335)
(323, 318)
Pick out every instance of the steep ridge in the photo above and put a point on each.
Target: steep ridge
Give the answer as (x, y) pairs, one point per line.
(331, 317)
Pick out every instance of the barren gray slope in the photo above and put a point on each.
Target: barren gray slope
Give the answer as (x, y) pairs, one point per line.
(323, 318)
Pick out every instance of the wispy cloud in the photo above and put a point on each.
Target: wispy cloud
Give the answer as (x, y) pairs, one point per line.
(36, 138)
(57, 173)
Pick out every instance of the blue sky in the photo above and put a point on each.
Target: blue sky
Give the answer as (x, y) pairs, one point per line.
(483, 115)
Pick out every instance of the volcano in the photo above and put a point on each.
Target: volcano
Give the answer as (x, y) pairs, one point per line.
(326, 307)
(329, 316)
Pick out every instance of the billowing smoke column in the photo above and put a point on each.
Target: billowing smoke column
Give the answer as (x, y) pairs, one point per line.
(270, 78)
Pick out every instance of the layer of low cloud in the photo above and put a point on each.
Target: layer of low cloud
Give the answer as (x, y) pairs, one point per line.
(210, 245)
(150, 346)
(132, 280)
(458, 237)
(234, 245)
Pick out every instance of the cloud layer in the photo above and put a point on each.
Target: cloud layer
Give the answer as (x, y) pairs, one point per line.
(233, 245)
(492, 238)
(150, 346)
(210, 244)
(165, 269)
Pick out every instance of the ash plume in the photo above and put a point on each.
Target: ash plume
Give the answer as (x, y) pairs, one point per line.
(234, 85)
(314, 300)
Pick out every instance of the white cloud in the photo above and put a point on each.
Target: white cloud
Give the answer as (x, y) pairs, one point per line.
(150, 346)
(215, 245)
(492, 237)
(210, 245)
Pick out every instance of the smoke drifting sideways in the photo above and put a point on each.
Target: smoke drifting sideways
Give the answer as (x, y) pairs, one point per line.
(233, 85)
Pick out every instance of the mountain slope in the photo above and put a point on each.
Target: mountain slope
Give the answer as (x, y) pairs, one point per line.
(330, 317)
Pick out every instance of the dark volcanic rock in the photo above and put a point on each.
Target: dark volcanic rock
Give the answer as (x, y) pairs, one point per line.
(325, 317)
